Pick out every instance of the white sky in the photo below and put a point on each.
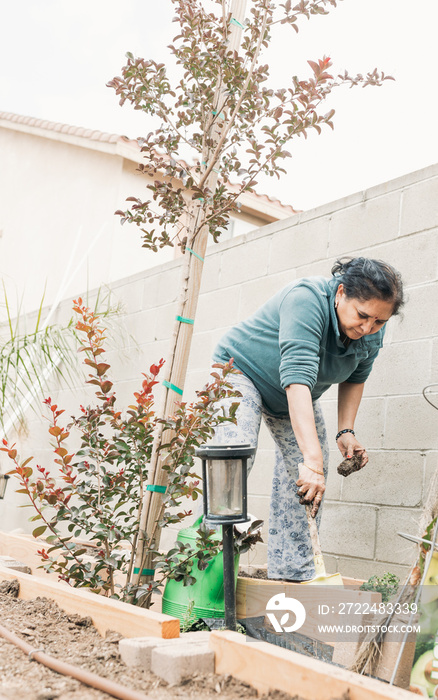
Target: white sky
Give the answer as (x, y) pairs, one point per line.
(56, 56)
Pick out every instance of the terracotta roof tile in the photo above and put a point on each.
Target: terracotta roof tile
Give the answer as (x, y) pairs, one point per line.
(82, 132)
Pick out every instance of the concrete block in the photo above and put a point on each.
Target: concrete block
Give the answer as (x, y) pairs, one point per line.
(434, 368)
(369, 425)
(142, 326)
(333, 481)
(165, 321)
(218, 309)
(258, 556)
(201, 351)
(125, 367)
(430, 472)
(420, 317)
(131, 295)
(420, 206)
(169, 535)
(175, 662)
(211, 271)
(168, 285)
(330, 411)
(259, 506)
(255, 293)
(331, 564)
(320, 267)
(299, 245)
(409, 424)
(348, 529)
(215, 335)
(266, 441)
(390, 547)
(402, 182)
(260, 478)
(11, 563)
(364, 569)
(195, 381)
(246, 262)
(365, 224)
(389, 478)
(411, 362)
(332, 207)
(150, 353)
(415, 256)
(150, 291)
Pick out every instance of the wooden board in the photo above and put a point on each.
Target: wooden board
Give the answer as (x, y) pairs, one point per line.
(24, 548)
(252, 596)
(267, 667)
(107, 614)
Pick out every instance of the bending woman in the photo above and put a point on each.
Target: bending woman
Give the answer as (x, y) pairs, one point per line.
(314, 333)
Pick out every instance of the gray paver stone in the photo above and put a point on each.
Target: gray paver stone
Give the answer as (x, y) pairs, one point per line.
(137, 651)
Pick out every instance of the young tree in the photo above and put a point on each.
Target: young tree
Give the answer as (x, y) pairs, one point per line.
(222, 122)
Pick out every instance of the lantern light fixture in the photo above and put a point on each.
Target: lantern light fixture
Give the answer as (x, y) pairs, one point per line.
(225, 495)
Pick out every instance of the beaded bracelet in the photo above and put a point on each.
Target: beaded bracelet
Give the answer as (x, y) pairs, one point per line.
(346, 430)
(312, 469)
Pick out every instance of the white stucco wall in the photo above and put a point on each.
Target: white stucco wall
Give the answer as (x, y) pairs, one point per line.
(57, 218)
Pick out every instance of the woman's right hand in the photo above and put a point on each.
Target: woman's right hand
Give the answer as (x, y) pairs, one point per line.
(311, 486)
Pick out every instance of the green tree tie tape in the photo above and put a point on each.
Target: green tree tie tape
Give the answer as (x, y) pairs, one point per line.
(192, 252)
(181, 319)
(174, 388)
(156, 487)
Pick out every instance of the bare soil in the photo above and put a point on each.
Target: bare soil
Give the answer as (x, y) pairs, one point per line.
(74, 639)
(257, 573)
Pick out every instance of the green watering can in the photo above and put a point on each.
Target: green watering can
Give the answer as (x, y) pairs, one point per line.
(207, 594)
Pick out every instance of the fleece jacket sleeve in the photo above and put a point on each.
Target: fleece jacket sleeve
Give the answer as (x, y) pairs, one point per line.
(303, 316)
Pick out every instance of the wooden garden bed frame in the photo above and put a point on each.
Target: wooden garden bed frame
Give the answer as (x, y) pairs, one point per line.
(266, 667)
(106, 613)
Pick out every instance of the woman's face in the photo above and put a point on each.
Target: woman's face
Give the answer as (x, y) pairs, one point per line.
(357, 318)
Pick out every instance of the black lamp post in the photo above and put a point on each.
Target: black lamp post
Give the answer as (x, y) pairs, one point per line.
(224, 474)
(3, 482)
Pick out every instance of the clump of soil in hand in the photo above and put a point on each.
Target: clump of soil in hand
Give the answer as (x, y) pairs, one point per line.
(348, 466)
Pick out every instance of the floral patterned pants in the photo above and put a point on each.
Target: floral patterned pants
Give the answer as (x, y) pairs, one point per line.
(289, 548)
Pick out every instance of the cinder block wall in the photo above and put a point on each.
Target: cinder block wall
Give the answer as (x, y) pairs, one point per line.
(396, 221)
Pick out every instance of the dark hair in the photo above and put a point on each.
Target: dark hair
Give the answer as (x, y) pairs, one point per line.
(365, 278)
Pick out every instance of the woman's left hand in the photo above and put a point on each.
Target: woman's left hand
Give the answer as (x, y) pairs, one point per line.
(349, 447)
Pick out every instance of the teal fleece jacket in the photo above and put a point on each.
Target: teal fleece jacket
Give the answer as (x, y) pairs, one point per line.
(294, 339)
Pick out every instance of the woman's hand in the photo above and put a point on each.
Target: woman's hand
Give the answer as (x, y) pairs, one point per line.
(349, 447)
(311, 486)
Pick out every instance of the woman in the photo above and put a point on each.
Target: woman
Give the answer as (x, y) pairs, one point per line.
(314, 333)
